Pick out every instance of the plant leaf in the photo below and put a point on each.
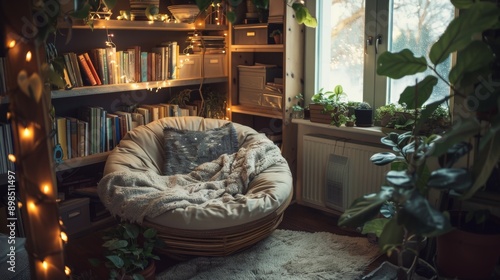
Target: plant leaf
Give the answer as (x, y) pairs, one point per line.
(114, 244)
(489, 155)
(428, 110)
(400, 178)
(473, 58)
(419, 217)
(383, 158)
(303, 15)
(415, 96)
(462, 4)
(149, 233)
(462, 129)
(82, 13)
(116, 260)
(454, 154)
(391, 236)
(365, 208)
(457, 179)
(480, 16)
(398, 65)
(374, 226)
(203, 4)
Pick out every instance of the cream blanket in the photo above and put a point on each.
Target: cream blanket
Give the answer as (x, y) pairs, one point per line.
(135, 195)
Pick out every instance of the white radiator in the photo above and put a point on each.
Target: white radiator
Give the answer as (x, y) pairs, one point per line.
(337, 171)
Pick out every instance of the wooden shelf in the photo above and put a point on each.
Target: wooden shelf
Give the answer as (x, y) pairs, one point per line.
(153, 85)
(258, 111)
(258, 48)
(81, 161)
(145, 25)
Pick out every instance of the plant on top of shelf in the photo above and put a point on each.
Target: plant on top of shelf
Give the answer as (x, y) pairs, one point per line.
(302, 15)
(91, 10)
(409, 182)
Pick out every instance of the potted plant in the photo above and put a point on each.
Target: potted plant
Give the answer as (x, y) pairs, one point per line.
(410, 179)
(364, 114)
(329, 106)
(129, 251)
(350, 121)
(276, 35)
(297, 108)
(384, 114)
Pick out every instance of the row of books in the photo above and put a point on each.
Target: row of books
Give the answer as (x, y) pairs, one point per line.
(6, 148)
(96, 130)
(103, 66)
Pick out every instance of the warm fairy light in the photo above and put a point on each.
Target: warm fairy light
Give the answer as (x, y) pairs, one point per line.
(9, 115)
(26, 132)
(45, 265)
(67, 270)
(12, 44)
(32, 206)
(61, 223)
(19, 204)
(28, 56)
(46, 189)
(64, 236)
(12, 158)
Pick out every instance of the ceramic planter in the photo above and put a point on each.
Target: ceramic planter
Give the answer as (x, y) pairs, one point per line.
(364, 117)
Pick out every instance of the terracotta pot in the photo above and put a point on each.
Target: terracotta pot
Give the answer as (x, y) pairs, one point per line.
(467, 255)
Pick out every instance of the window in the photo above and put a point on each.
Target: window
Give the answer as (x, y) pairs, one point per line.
(352, 33)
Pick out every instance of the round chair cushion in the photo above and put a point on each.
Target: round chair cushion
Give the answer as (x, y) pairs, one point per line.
(244, 221)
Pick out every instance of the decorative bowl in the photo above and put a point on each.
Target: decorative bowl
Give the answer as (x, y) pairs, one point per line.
(184, 13)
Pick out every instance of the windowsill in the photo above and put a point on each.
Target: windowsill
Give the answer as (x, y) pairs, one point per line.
(373, 130)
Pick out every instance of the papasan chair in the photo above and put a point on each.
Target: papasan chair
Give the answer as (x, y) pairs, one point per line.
(201, 202)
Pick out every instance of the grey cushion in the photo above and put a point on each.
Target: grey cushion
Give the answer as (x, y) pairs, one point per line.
(186, 149)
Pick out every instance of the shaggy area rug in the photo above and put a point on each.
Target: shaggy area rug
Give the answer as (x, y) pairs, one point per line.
(285, 255)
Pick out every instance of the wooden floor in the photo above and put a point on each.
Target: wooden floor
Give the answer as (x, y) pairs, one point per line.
(296, 217)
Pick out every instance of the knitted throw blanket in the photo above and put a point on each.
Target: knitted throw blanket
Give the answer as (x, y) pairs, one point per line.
(135, 195)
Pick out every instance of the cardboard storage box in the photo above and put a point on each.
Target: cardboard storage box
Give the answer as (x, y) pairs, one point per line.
(75, 214)
(251, 34)
(252, 84)
(190, 66)
(214, 65)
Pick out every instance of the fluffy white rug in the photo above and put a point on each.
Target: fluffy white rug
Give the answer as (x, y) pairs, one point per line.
(285, 255)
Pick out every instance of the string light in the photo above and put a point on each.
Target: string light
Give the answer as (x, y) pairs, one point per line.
(67, 271)
(64, 236)
(26, 132)
(12, 158)
(28, 56)
(45, 265)
(12, 44)
(19, 204)
(46, 189)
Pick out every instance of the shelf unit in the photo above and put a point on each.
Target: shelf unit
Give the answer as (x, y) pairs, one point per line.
(288, 56)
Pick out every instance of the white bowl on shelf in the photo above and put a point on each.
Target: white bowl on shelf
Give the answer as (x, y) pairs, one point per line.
(184, 13)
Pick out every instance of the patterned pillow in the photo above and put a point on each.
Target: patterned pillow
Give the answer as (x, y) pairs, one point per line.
(186, 149)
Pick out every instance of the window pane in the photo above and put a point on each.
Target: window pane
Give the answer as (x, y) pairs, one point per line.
(416, 25)
(341, 46)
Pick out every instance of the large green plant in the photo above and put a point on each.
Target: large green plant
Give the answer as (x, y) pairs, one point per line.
(410, 214)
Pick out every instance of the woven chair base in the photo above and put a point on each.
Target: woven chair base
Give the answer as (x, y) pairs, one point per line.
(183, 244)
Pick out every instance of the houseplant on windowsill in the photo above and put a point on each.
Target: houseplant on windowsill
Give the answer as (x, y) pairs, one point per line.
(129, 251)
(297, 108)
(409, 181)
(329, 107)
(364, 114)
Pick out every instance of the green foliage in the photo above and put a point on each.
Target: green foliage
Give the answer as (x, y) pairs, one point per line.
(363, 106)
(409, 181)
(129, 249)
(299, 103)
(334, 104)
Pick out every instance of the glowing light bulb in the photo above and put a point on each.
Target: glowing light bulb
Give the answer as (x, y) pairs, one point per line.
(45, 189)
(67, 270)
(61, 223)
(64, 236)
(45, 265)
(12, 157)
(12, 44)
(19, 204)
(26, 132)
(32, 206)
(28, 56)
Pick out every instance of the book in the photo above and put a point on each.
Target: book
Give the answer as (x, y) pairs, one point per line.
(111, 63)
(145, 113)
(83, 138)
(72, 137)
(61, 136)
(78, 74)
(70, 69)
(144, 66)
(85, 69)
(92, 68)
